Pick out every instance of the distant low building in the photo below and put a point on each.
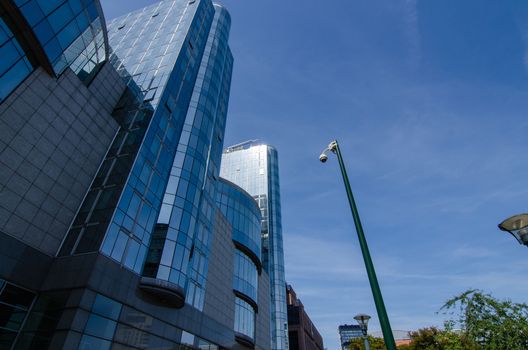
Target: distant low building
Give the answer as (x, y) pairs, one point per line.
(400, 337)
(302, 334)
(347, 333)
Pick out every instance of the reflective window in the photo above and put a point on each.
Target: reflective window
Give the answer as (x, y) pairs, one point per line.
(188, 205)
(205, 345)
(102, 323)
(100, 327)
(244, 318)
(243, 213)
(106, 307)
(187, 338)
(71, 33)
(15, 303)
(14, 65)
(246, 275)
(42, 321)
(178, 219)
(92, 343)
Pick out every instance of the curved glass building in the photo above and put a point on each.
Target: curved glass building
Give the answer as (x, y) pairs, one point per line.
(243, 214)
(254, 167)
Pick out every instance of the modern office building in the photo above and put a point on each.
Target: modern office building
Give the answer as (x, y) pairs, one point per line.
(254, 167)
(347, 333)
(302, 333)
(110, 145)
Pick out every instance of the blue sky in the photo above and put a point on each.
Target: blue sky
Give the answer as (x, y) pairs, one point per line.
(428, 100)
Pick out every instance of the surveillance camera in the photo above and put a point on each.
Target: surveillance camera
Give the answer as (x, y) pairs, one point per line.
(323, 158)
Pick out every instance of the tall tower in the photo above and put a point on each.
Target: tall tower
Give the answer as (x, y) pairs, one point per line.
(254, 167)
(160, 191)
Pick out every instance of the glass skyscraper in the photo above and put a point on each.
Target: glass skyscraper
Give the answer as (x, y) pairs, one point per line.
(115, 229)
(254, 167)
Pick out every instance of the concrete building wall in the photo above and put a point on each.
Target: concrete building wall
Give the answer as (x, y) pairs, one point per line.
(263, 334)
(93, 273)
(219, 297)
(54, 133)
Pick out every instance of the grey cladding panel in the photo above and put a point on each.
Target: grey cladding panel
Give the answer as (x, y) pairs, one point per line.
(53, 135)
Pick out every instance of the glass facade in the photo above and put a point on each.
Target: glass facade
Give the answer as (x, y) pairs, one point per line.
(131, 227)
(101, 325)
(246, 275)
(180, 246)
(244, 318)
(70, 32)
(14, 65)
(15, 303)
(254, 167)
(243, 214)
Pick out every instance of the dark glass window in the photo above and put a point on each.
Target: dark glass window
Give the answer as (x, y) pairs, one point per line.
(92, 11)
(14, 66)
(60, 17)
(100, 326)
(53, 49)
(11, 317)
(7, 338)
(106, 307)
(9, 54)
(93, 343)
(68, 34)
(49, 5)
(16, 296)
(75, 5)
(15, 303)
(43, 32)
(32, 12)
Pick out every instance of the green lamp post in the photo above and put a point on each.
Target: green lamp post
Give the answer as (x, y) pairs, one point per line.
(376, 292)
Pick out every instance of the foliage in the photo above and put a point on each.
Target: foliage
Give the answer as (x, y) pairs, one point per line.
(492, 323)
(483, 322)
(375, 344)
(433, 338)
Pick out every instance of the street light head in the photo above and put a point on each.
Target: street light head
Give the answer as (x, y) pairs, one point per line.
(362, 319)
(517, 226)
(323, 157)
